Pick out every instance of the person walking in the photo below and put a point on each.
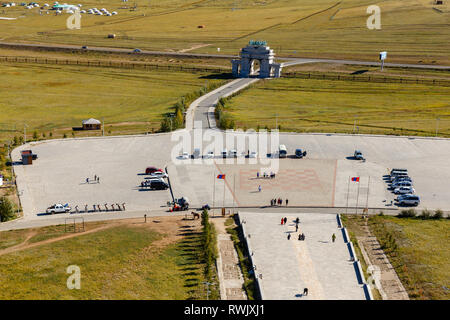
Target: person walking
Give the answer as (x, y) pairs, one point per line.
(98, 179)
(259, 188)
(289, 236)
(287, 202)
(297, 221)
(87, 180)
(299, 236)
(285, 220)
(305, 291)
(281, 202)
(257, 174)
(282, 220)
(296, 228)
(95, 177)
(333, 237)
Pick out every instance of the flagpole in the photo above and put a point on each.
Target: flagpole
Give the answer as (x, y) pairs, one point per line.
(214, 190)
(348, 192)
(234, 189)
(223, 193)
(367, 201)
(357, 196)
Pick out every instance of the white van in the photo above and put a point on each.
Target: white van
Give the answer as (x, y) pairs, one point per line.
(282, 151)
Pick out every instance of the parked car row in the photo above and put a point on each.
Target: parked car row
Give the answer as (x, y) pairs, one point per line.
(281, 153)
(401, 183)
(156, 179)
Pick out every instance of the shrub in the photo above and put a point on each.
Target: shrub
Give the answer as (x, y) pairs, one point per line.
(410, 213)
(426, 214)
(50, 134)
(438, 214)
(6, 209)
(64, 135)
(35, 135)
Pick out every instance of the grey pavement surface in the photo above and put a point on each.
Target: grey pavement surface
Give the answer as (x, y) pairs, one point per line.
(59, 174)
(288, 266)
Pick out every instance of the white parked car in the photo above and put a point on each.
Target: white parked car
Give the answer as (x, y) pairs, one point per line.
(158, 174)
(401, 184)
(404, 190)
(209, 155)
(253, 154)
(408, 199)
(114, 13)
(58, 208)
(184, 155)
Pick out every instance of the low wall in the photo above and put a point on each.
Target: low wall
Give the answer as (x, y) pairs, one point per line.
(250, 250)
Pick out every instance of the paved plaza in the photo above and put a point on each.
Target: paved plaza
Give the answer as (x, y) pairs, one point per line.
(289, 266)
(321, 179)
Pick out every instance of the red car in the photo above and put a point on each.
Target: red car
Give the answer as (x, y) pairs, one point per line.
(150, 170)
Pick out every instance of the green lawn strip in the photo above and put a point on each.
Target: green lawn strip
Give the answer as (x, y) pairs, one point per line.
(420, 254)
(303, 105)
(113, 263)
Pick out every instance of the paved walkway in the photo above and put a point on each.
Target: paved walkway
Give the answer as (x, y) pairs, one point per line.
(289, 266)
(391, 286)
(230, 274)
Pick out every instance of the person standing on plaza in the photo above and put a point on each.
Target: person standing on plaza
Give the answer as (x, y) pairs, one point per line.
(333, 237)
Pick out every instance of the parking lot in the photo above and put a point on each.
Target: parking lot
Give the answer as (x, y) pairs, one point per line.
(321, 179)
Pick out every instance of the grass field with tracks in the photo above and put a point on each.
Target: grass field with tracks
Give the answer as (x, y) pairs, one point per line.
(413, 31)
(128, 259)
(306, 105)
(55, 98)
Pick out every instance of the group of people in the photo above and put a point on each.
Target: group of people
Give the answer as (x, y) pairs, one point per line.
(96, 179)
(265, 175)
(279, 201)
(301, 236)
(96, 207)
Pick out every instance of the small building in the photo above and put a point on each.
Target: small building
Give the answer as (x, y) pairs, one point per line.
(91, 124)
(27, 157)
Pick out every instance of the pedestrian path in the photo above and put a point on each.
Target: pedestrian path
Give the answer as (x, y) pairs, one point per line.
(230, 274)
(288, 266)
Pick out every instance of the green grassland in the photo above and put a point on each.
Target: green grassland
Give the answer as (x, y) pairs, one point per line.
(422, 260)
(306, 105)
(121, 262)
(55, 98)
(411, 31)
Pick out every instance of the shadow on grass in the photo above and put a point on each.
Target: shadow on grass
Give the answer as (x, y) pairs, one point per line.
(219, 76)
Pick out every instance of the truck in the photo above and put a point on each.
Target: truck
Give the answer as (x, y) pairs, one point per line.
(181, 204)
(58, 208)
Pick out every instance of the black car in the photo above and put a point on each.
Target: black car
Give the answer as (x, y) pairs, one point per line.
(158, 185)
